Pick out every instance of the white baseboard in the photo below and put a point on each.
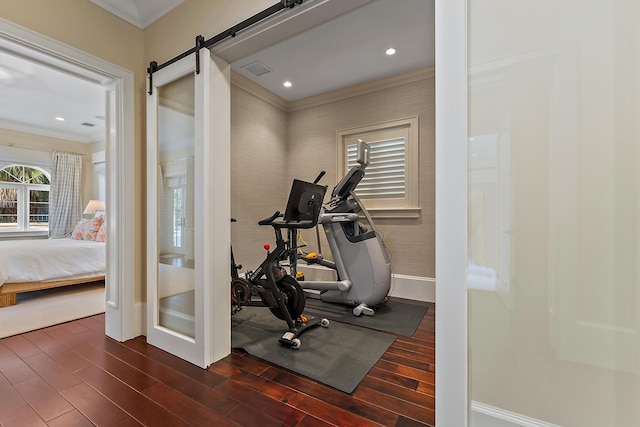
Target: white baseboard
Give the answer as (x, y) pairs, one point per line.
(140, 318)
(413, 287)
(483, 415)
(402, 286)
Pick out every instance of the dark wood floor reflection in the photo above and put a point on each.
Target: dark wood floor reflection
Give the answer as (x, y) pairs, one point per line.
(72, 375)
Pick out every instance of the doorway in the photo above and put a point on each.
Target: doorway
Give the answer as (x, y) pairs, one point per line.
(120, 172)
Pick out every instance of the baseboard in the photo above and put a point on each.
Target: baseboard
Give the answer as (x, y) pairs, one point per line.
(140, 319)
(413, 287)
(402, 286)
(489, 416)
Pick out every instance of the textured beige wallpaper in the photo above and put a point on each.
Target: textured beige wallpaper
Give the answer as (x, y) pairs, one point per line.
(312, 147)
(271, 147)
(259, 184)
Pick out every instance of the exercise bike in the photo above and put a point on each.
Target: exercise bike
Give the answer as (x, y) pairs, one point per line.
(360, 258)
(269, 285)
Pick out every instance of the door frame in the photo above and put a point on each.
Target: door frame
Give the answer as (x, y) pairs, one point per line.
(118, 82)
(452, 392)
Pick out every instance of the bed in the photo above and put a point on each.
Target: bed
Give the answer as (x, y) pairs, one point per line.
(30, 265)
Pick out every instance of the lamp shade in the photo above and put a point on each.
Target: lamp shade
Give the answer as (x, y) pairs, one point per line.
(93, 206)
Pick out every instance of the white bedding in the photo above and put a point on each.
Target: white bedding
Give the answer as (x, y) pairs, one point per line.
(50, 260)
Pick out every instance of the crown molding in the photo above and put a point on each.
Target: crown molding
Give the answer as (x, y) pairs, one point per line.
(255, 89)
(362, 89)
(336, 95)
(138, 14)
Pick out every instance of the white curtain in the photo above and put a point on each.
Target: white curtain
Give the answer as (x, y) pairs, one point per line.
(65, 201)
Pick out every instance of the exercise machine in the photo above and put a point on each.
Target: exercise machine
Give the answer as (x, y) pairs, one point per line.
(360, 258)
(269, 285)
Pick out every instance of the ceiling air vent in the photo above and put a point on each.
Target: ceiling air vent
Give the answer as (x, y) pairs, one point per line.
(89, 125)
(257, 68)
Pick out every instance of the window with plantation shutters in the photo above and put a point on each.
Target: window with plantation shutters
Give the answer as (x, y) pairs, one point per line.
(390, 183)
(385, 175)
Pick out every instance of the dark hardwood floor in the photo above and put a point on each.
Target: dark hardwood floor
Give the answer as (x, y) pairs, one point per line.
(72, 375)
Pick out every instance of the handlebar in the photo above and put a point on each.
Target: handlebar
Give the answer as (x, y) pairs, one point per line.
(295, 224)
(286, 224)
(319, 177)
(269, 220)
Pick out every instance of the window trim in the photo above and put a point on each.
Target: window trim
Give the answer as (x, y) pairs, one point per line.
(411, 206)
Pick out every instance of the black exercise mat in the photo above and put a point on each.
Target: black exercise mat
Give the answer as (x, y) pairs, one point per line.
(393, 316)
(339, 356)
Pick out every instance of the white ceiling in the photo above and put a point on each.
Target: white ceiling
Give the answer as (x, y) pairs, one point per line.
(342, 52)
(349, 49)
(33, 95)
(140, 13)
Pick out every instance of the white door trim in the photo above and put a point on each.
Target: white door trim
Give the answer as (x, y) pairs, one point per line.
(120, 148)
(451, 213)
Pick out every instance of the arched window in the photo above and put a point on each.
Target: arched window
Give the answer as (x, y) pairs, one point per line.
(24, 198)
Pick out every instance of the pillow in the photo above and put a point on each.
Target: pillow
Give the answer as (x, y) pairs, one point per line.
(78, 231)
(102, 233)
(92, 227)
(87, 229)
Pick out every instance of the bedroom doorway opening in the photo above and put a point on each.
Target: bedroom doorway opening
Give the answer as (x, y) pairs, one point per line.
(118, 85)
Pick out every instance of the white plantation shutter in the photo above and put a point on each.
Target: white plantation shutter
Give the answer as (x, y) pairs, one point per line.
(390, 183)
(386, 174)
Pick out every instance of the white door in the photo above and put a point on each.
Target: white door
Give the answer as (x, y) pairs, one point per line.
(188, 124)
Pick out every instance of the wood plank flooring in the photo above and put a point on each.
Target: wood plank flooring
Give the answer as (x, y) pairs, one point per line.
(72, 375)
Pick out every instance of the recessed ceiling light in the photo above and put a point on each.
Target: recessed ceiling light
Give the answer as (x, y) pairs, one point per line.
(287, 84)
(390, 51)
(60, 119)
